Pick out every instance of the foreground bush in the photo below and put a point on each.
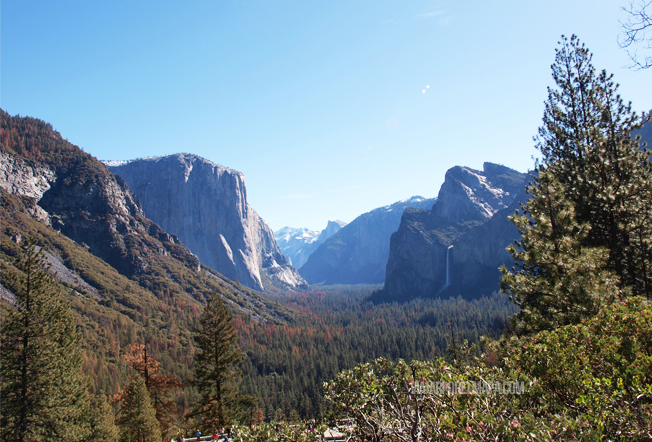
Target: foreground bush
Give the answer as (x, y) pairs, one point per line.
(589, 381)
(598, 372)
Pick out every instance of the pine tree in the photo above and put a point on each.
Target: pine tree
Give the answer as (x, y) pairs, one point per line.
(103, 427)
(44, 392)
(560, 281)
(137, 417)
(587, 228)
(215, 369)
(586, 144)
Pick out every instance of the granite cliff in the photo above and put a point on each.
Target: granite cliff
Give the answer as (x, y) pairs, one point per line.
(205, 205)
(358, 253)
(92, 226)
(457, 247)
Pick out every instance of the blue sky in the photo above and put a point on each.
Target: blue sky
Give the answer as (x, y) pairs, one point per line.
(320, 104)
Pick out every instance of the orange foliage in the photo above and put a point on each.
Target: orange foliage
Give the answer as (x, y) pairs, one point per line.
(160, 386)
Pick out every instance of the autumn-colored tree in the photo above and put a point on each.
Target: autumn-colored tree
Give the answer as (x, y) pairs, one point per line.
(159, 385)
(258, 417)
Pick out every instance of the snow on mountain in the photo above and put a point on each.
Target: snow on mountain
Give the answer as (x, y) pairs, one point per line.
(298, 243)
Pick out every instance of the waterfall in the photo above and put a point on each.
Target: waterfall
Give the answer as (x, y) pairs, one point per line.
(448, 268)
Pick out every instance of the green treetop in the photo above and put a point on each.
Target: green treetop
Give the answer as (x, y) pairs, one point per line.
(215, 367)
(137, 418)
(44, 392)
(103, 427)
(586, 144)
(560, 281)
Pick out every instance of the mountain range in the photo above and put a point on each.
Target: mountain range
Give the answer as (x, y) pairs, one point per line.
(297, 244)
(133, 214)
(127, 279)
(194, 211)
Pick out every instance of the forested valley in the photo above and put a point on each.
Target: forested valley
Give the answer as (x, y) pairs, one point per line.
(286, 365)
(169, 347)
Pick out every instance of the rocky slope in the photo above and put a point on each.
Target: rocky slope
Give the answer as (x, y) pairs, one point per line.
(205, 205)
(126, 278)
(471, 216)
(298, 244)
(80, 198)
(358, 253)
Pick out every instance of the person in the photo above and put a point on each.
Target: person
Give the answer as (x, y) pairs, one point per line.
(198, 435)
(215, 435)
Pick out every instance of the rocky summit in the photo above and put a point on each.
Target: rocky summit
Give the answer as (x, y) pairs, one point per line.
(457, 247)
(205, 205)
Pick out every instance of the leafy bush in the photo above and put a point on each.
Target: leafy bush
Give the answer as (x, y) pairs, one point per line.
(588, 381)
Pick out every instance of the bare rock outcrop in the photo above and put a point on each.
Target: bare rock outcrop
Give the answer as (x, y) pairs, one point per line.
(31, 180)
(457, 247)
(205, 205)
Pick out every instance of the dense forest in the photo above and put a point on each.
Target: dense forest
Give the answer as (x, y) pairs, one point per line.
(286, 365)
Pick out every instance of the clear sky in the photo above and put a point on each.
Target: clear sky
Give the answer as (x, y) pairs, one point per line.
(329, 108)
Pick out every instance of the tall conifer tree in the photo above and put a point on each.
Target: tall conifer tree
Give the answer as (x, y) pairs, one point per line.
(586, 144)
(587, 233)
(44, 392)
(216, 366)
(560, 280)
(137, 418)
(103, 427)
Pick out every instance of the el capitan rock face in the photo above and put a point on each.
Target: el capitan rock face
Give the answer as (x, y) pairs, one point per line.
(471, 216)
(205, 205)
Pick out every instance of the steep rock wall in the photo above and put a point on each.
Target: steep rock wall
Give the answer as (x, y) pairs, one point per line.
(205, 205)
(470, 215)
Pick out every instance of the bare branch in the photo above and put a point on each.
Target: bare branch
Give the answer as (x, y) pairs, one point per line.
(637, 30)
